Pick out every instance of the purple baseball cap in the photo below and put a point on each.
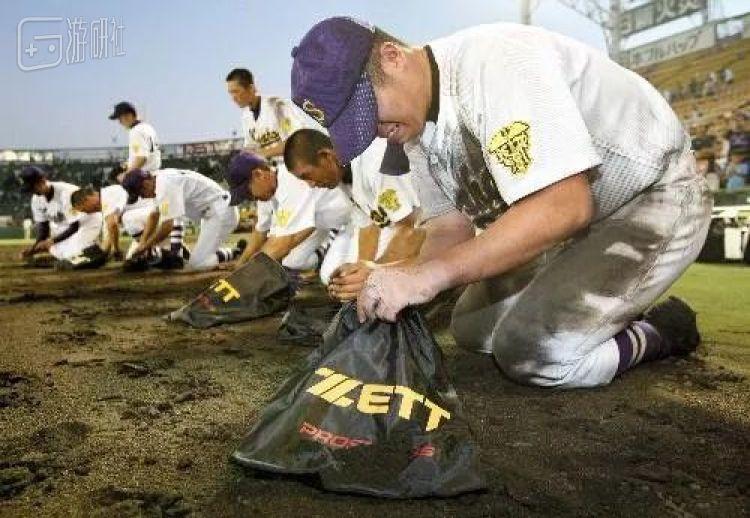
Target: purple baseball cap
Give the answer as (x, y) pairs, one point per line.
(239, 173)
(133, 181)
(330, 84)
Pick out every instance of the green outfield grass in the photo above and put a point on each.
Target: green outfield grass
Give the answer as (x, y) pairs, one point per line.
(720, 294)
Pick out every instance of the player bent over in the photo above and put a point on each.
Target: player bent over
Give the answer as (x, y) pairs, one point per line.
(384, 209)
(181, 194)
(560, 188)
(112, 202)
(69, 237)
(295, 222)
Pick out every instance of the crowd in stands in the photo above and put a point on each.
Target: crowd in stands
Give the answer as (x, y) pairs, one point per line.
(722, 149)
(714, 83)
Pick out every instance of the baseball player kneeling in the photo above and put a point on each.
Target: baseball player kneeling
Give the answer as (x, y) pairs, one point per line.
(116, 208)
(559, 187)
(384, 210)
(181, 194)
(69, 237)
(297, 225)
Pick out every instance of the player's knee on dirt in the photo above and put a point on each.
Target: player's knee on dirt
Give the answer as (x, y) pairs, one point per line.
(550, 361)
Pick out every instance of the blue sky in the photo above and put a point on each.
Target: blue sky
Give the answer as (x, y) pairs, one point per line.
(176, 56)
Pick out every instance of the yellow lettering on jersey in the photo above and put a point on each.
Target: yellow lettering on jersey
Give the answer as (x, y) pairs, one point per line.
(373, 398)
(511, 146)
(164, 208)
(231, 292)
(388, 199)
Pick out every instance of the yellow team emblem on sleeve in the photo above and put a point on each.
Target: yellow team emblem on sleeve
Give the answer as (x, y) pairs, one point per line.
(283, 216)
(511, 146)
(388, 199)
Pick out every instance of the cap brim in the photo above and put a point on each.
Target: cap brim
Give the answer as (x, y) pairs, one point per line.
(239, 193)
(113, 116)
(357, 125)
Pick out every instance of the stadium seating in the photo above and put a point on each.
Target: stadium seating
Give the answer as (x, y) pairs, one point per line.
(677, 73)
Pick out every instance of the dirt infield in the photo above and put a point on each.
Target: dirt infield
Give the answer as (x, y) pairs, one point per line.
(106, 410)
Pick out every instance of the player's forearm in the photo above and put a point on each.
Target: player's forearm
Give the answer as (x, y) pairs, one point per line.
(42, 232)
(278, 247)
(255, 243)
(367, 243)
(67, 233)
(444, 232)
(531, 226)
(404, 244)
(112, 241)
(161, 234)
(149, 227)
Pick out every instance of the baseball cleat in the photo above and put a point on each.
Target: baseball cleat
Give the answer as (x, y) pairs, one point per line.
(676, 323)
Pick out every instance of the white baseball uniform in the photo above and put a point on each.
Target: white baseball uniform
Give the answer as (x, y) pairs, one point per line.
(143, 143)
(277, 118)
(521, 108)
(378, 199)
(295, 207)
(59, 213)
(133, 216)
(187, 194)
(114, 200)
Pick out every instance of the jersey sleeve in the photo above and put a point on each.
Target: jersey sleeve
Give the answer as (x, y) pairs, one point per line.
(169, 200)
(296, 208)
(396, 197)
(139, 144)
(291, 118)
(264, 210)
(113, 200)
(530, 127)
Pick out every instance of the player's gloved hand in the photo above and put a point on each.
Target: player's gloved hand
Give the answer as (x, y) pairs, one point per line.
(389, 290)
(348, 279)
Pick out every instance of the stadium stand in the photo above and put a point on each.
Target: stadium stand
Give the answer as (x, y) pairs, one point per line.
(683, 81)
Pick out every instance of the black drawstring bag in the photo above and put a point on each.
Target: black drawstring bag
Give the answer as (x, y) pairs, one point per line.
(305, 325)
(371, 412)
(258, 289)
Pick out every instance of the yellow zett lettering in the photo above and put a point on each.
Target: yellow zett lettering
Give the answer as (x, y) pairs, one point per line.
(231, 293)
(374, 399)
(433, 421)
(408, 397)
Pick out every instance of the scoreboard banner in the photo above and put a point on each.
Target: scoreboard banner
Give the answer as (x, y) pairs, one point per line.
(656, 13)
(671, 47)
